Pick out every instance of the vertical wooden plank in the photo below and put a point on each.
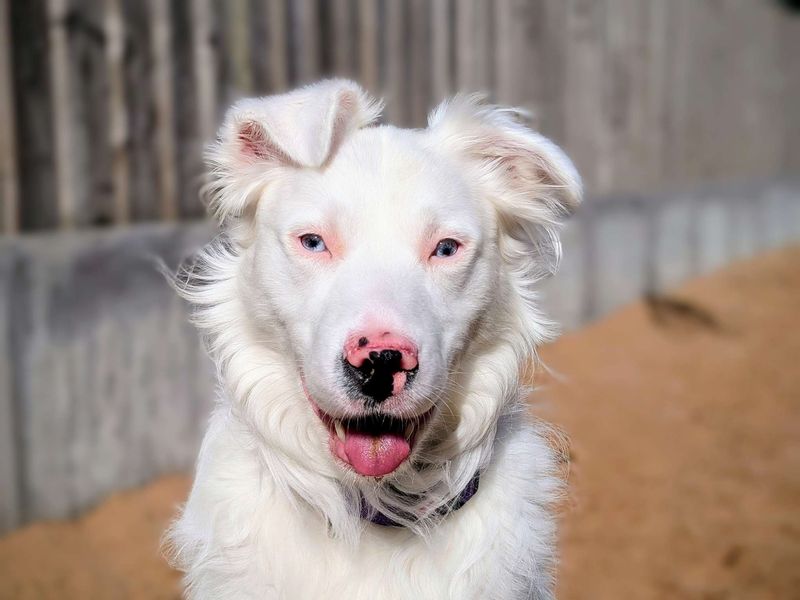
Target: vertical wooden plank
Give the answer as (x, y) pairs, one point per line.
(343, 47)
(278, 46)
(164, 109)
(395, 83)
(729, 101)
(34, 125)
(474, 64)
(530, 39)
(232, 40)
(187, 139)
(789, 115)
(419, 49)
(9, 185)
(237, 46)
(707, 82)
(512, 51)
(676, 103)
(258, 36)
(205, 68)
(62, 107)
(305, 47)
(140, 107)
(368, 47)
(585, 125)
(89, 88)
(776, 74)
(441, 50)
(761, 134)
(623, 92)
(465, 16)
(117, 112)
(552, 50)
(655, 92)
(78, 73)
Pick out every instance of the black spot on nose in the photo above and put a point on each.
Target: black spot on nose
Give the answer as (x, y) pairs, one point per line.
(375, 377)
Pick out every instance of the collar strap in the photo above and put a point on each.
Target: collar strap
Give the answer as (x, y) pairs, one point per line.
(373, 516)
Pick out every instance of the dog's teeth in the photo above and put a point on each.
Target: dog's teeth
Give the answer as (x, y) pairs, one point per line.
(409, 430)
(339, 429)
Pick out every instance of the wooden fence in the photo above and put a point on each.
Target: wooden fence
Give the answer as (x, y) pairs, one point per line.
(105, 104)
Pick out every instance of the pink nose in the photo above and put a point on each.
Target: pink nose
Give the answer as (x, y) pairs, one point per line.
(360, 345)
(380, 363)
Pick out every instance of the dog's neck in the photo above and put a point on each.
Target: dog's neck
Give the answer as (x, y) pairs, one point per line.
(370, 514)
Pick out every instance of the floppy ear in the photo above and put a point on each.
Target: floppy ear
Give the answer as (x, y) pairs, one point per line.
(530, 181)
(297, 130)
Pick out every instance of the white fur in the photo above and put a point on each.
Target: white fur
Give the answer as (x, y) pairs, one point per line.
(272, 513)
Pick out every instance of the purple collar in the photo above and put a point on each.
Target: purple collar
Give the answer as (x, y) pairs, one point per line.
(468, 492)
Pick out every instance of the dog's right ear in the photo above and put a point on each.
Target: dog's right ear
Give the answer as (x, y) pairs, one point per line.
(260, 137)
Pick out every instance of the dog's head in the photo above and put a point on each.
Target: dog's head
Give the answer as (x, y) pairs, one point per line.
(390, 268)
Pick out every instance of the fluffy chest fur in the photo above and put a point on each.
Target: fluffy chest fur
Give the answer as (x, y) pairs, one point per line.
(242, 538)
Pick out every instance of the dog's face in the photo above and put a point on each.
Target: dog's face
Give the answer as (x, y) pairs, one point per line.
(375, 254)
(377, 267)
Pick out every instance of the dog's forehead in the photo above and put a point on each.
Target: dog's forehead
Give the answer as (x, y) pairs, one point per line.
(383, 183)
(395, 167)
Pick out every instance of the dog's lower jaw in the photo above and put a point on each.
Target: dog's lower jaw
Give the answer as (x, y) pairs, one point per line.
(241, 536)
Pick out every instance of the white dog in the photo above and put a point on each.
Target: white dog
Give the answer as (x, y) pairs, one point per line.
(370, 307)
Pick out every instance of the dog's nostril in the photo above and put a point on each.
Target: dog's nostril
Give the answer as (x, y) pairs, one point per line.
(380, 375)
(386, 359)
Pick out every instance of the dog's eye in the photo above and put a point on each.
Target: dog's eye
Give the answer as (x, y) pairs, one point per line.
(313, 242)
(446, 248)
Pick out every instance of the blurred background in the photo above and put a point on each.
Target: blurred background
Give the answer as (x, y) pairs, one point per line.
(683, 117)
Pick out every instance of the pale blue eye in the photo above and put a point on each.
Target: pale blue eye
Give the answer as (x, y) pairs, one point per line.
(446, 248)
(313, 242)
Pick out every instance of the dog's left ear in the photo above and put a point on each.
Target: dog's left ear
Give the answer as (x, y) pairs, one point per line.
(262, 137)
(532, 184)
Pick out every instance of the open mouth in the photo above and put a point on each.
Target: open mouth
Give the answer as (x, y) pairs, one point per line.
(373, 444)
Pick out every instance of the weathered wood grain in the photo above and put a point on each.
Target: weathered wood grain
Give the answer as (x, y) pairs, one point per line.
(278, 46)
(114, 30)
(114, 99)
(164, 108)
(419, 64)
(237, 46)
(140, 105)
(305, 40)
(441, 49)
(395, 80)
(188, 141)
(70, 189)
(9, 183)
(204, 68)
(34, 119)
(342, 50)
(368, 55)
(586, 134)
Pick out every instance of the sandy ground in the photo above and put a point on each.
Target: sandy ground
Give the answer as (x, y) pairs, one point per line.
(684, 419)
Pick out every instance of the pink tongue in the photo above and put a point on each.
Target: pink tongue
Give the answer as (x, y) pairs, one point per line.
(375, 455)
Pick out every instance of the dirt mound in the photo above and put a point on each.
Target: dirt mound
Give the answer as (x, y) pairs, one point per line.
(684, 417)
(110, 553)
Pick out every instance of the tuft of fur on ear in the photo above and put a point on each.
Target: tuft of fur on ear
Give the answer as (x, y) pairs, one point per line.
(296, 130)
(531, 183)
